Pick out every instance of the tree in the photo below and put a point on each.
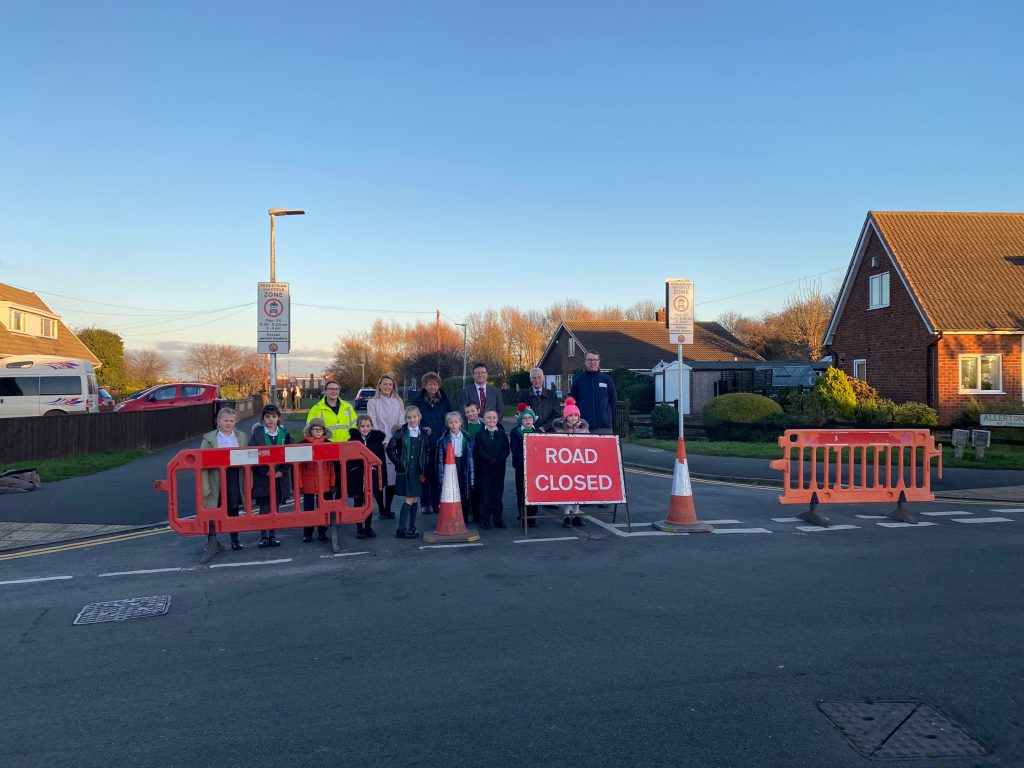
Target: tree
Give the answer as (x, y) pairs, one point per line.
(645, 309)
(212, 363)
(797, 331)
(144, 367)
(351, 353)
(109, 348)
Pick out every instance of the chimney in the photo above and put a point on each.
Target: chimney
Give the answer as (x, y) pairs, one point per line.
(660, 315)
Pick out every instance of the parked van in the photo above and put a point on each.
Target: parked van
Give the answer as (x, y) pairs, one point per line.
(46, 385)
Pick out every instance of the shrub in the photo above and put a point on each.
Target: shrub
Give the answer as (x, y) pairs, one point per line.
(665, 419)
(741, 407)
(833, 395)
(862, 390)
(875, 410)
(518, 380)
(915, 414)
(639, 394)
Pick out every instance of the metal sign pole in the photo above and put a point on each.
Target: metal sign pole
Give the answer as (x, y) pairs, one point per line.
(680, 390)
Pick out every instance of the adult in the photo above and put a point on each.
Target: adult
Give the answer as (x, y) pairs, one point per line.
(486, 397)
(594, 392)
(434, 406)
(296, 397)
(224, 436)
(338, 415)
(387, 411)
(540, 400)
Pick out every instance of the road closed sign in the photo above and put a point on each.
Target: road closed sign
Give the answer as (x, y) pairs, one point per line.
(573, 469)
(273, 318)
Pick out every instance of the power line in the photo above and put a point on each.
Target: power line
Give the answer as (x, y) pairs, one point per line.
(769, 287)
(189, 327)
(367, 309)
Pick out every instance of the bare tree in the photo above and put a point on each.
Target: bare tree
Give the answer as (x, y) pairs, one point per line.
(145, 367)
(212, 363)
(645, 309)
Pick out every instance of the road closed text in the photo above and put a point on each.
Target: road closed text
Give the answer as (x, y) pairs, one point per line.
(572, 468)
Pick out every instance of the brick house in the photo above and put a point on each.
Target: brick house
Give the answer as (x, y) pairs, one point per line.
(28, 327)
(932, 309)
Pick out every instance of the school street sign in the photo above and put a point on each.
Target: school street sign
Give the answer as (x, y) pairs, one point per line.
(273, 318)
(679, 311)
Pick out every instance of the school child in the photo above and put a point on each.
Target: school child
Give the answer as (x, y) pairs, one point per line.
(474, 424)
(526, 419)
(462, 446)
(374, 440)
(571, 423)
(490, 455)
(269, 432)
(225, 436)
(316, 478)
(409, 451)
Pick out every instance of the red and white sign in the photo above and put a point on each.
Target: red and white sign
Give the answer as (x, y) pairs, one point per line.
(273, 318)
(573, 469)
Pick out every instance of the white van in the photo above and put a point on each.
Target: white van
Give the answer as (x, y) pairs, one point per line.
(46, 385)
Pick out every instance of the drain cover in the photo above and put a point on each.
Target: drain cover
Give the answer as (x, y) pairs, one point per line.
(121, 610)
(898, 730)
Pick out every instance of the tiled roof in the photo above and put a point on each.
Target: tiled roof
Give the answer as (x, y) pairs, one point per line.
(642, 344)
(967, 269)
(66, 343)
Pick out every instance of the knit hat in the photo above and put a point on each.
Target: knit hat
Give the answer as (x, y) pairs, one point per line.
(317, 422)
(570, 407)
(524, 409)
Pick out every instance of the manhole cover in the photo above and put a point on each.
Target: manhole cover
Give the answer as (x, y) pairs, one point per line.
(121, 610)
(898, 730)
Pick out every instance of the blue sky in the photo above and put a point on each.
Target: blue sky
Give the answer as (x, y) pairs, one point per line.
(460, 155)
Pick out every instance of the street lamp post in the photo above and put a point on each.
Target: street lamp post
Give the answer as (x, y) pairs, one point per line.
(274, 213)
(362, 375)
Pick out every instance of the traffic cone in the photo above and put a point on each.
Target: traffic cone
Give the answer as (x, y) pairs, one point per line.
(682, 517)
(451, 526)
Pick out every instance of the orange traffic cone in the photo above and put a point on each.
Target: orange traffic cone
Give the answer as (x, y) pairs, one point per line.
(682, 517)
(451, 526)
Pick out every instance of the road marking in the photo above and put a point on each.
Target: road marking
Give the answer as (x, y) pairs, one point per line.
(723, 522)
(982, 520)
(251, 562)
(654, 533)
(33, 581)
(1011, 509)
(83, 544)
(549, 538)
(452, 546)
(607, 526)
(871, 517)
(740, 530)
(815, 528)
(635, 525)
(344, 554)
(786, 520)
(947, 514)
(136, 573)
(924, 524)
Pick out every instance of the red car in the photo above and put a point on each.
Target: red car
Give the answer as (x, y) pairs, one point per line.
(169, 396)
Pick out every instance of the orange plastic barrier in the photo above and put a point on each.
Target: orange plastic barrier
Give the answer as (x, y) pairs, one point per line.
(856, 466)
(211, 521)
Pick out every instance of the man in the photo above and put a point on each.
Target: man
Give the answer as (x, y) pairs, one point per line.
(541, 401)
(338, 415)
(486, 397)
(595, 395)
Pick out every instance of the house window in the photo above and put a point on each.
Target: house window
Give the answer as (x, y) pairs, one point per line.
(981, 373)
(572, 347)
(19, 321)
(48, 328)
(878, 291)
(875, 261)
(860, 370)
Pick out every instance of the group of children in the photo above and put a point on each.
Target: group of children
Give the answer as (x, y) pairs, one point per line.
(480, 446)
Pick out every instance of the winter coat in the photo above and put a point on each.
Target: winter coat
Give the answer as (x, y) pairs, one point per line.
(490, 453)
(467, 470)
(396, 449)
(261, 474)
(595, 396)
(317, 477)
(338, 424)
(545, 407)
(354, 474)
(581, 428)
(211, 477)
(387, 414)
(516, 445)
(433, 413)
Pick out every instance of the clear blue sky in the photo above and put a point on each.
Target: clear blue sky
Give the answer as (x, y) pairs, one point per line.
(467, 154)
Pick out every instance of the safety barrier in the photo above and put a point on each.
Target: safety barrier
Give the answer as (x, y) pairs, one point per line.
(856, 466)
(330, 512)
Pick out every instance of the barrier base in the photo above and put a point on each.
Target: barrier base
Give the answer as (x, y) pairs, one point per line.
(471, 534)
(335, 538)
(213, 547)
(667, 527)
(901, 513)
(814, 517)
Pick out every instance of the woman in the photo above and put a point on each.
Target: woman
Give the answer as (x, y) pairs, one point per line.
(387, 411)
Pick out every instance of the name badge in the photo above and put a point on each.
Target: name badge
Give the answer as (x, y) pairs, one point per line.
(602, 384)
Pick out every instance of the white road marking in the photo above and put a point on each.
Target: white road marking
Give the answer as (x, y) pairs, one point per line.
(136, 573)
(946, 514)
(251, 562)
(740, 530)
(452, 546)
(723, 522)
(33, 581)
(871, 517)
(1010, 509)
(815, 528)
(635, 525)
(607, 526)
(344, 554)
(549, 538)
(787, 520)
(982, 520)
(924, 524)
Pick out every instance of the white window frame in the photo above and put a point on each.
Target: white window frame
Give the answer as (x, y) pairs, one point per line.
(43, 321)
(878, 291)
(572, 347)
(978, 391)
(861, 363)
(19, 321)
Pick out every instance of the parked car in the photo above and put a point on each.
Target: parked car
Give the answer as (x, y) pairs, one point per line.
(170, 396)
(106, 401)
(362, 396)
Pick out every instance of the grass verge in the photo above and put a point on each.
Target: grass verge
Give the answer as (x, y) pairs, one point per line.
(52, 470)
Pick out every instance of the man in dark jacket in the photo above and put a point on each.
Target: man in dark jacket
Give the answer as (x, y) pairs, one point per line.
(434, 406)
(542, 401)
(595, 395)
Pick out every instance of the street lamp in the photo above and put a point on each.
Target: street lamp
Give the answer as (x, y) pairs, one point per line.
(274, 213)
(464, 359)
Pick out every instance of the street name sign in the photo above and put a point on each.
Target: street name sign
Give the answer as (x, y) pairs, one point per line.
(679, 311)
(273, 318)
(1002, 419)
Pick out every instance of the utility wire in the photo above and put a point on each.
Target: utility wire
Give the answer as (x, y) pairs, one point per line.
(769, 287)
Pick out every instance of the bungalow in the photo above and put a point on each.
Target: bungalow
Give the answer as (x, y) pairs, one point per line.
(28, 327)
(932, 309)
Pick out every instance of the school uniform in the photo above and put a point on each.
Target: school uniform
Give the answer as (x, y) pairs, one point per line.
(517, 448)
(409, 451)
(374, 441)
(490, 455)
(261, 478)
(462, 446)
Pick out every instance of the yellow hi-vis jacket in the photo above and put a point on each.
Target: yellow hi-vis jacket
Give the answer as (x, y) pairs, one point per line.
(337, 425)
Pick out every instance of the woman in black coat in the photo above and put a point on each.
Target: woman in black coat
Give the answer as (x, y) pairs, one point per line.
(374, 440)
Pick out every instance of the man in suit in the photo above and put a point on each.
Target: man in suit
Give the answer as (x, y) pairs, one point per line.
(487, 397)
(542, 401)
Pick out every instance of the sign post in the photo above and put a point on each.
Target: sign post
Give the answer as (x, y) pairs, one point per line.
(273, 325)
(679, 321)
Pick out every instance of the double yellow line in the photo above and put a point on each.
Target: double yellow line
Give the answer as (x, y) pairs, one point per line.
(83, 544)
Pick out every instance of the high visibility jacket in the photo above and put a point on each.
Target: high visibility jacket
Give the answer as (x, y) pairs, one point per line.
(337, 425)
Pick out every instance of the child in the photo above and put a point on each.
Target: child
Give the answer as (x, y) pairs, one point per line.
(225, 436)
(316, 478)
(490, 455)
(571, 423)
(409, 451)
(473, 426)
(462, 445)
(526, 419)
(374, 440)
(269, 432)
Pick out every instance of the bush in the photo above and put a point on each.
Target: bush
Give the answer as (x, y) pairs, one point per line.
(518, 380)
(916, 415)
(639, 394)
(862, 390)
(833, 395)
(741, 407)
(665, 420)
(875, 410)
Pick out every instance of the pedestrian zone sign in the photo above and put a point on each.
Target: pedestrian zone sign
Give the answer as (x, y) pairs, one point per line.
(679, 311)
(273, 318)
(572, 469)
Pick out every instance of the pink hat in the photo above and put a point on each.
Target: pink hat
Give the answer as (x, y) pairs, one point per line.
(570, 407)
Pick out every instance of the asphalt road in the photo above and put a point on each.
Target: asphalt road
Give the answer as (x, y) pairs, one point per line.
(601, 649)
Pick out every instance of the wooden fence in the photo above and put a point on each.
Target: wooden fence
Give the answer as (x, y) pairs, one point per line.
(55, 437)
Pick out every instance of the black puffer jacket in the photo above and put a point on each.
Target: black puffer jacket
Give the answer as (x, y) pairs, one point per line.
(396, 449)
